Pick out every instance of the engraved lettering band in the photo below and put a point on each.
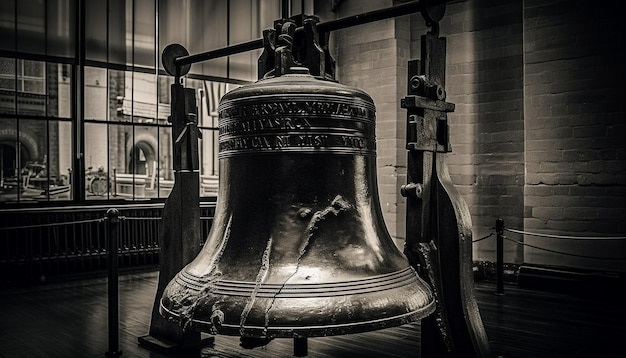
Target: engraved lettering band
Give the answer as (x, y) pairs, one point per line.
(321, 124)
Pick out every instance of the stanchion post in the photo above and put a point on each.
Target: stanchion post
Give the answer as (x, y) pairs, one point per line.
(300, 347)
(113, 220)
(499, 256)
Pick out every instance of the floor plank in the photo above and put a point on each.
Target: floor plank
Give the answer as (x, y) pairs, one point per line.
(70, 320)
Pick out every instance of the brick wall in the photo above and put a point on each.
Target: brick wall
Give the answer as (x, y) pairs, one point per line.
(537, 135)
(575, 129)
(484, 71)
(484, 80)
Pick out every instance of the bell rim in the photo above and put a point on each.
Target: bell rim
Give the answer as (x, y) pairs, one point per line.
(406, 303)
(305, 331)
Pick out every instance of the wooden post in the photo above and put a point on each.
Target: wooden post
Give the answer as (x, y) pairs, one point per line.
(438, 230)
(179, 238)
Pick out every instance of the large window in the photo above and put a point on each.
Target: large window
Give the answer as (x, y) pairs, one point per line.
(86, 100)
(35, 131)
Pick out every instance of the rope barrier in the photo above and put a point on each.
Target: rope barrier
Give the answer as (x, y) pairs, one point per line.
(558, 237)
(155, 218)
(139, 218)
(483, 238)
(565, 237)
(565, 253)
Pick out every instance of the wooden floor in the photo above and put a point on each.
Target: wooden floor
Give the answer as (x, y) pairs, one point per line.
(70, 320)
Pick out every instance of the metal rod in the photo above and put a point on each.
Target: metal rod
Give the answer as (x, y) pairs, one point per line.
(499, 256)
(326, 26)
(113, 294)
(225, 51)
(371, 16)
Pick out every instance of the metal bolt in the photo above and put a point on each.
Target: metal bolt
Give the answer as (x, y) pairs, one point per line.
(413, 189)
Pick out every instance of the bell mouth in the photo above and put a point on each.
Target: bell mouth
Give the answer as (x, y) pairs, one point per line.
(250, 309)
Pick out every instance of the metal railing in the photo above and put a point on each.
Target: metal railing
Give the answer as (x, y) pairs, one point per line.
(37, 246)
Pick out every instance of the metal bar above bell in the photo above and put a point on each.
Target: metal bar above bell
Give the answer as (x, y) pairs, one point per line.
(326, 26)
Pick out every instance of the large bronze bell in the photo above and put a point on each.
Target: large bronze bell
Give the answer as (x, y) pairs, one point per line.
(298, 246)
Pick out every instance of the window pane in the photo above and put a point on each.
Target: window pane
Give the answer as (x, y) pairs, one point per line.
(7, 26)
(31, 87)
(98, 47)
(243, 27)
(120, 92)
(96, 161)
(31, 20)
(7, 85)
(208, 151)
(144, 39)
(34, 69)
(7, 68)
(120, 27)
(209, 98)
(59, 90)
(9, 167)
(164, 85)
(118, 136)
(172, 20)
(199, 26)
(144, 97)
(269, 10)
(216, 14)
(60, 161)
(120, 143)
(143, 161)
(301, 7)
(166, 171)
(135, 95)
(95, 93)
(95, 30)
(133, 153)
(208, 101)
(33, 159)
(61, 27)
(208, 162)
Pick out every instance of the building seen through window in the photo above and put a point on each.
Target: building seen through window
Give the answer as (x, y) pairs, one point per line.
(93, 109)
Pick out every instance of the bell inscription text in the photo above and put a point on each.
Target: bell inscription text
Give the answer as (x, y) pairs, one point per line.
(326, 124)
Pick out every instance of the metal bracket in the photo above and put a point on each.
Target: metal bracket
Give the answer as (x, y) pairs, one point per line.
(427, 124)
(287, 50)
(427, 120)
